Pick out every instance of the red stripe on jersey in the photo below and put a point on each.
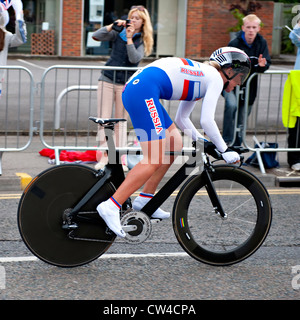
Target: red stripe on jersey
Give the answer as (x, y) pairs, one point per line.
(184, 61)
(185, 90)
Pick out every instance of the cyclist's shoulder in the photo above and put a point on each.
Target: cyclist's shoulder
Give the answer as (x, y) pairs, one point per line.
(177, 63)
(166, 62)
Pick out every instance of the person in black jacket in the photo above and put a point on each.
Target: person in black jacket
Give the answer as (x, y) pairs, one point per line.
(255, 46)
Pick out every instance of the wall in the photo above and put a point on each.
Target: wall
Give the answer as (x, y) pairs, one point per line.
(206, 30)
(167, 20)
(209, 20)
(72, 28)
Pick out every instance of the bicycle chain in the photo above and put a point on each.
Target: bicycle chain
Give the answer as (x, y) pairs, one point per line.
(134, 217)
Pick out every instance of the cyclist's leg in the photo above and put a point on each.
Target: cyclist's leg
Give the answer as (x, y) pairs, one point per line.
(153, 154)
(173, 143)
(109, 210)
(150, 121)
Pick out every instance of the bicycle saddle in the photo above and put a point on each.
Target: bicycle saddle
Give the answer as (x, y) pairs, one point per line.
(103, 122)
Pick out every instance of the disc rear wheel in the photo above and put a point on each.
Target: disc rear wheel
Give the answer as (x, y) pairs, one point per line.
(41, 212)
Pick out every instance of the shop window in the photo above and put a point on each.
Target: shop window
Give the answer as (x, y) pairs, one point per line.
(98, 13)
(39, 15)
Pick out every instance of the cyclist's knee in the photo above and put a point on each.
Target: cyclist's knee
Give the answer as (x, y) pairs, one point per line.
(174, 139)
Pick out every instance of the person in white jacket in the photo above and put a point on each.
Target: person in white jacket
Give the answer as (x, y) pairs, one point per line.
(8, 39)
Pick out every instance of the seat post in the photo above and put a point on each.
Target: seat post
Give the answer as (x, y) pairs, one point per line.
(109, 137)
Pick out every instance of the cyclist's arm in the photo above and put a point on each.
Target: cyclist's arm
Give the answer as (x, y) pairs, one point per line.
(207, 117)
(183, 120)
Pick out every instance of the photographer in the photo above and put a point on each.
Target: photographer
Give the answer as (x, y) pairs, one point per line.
(131, 40)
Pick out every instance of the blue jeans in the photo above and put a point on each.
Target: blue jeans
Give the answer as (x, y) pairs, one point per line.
(229, 118)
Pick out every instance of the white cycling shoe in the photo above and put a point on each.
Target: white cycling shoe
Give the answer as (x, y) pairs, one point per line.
(109, 212)
(140, 201)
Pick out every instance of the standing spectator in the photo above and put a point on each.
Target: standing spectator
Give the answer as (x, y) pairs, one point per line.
(250, 41)
(7, 39)
(131, 43)
(294, 133)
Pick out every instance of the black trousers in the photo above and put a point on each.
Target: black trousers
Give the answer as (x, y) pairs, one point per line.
(294, 142)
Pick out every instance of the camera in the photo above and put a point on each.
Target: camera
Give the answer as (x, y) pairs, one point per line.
(116, 27)
(128, 21)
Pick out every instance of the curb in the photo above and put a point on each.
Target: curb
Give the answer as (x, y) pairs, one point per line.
(15, 183)
(24, 179)
(21, 180)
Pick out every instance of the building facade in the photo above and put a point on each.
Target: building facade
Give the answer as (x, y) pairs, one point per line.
(191, 28)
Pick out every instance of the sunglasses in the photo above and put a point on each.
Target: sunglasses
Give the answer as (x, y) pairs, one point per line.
(140, 8)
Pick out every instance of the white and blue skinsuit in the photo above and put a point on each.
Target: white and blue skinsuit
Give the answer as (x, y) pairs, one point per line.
(174, 79)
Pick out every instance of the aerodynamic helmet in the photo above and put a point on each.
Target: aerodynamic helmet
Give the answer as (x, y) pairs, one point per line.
(234, 58)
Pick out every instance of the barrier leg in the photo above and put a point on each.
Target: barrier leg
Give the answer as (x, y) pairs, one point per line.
(260, 162)
(57, 154)
(1, 153)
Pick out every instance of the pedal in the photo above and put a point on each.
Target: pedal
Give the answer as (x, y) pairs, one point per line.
(155, 220)
(71, 226)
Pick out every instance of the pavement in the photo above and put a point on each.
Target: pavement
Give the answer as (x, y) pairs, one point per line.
(18, 169)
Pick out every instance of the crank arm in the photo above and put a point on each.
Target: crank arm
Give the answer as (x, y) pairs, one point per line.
(129, 228)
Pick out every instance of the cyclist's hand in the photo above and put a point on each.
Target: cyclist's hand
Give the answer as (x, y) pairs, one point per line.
(210, 149)
(231, 156)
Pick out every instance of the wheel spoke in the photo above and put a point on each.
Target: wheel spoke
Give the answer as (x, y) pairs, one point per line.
(216, 240)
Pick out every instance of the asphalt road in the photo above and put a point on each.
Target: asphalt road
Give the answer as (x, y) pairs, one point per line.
(157, 269)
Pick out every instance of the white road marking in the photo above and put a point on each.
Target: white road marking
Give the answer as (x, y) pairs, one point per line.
(31, 64)
(105, 256)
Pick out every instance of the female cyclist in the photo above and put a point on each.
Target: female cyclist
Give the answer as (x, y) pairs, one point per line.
(172, 79)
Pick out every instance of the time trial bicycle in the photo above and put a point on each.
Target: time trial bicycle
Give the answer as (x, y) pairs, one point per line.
(221, 214)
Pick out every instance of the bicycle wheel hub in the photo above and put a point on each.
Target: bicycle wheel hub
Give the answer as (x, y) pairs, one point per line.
(140, 223)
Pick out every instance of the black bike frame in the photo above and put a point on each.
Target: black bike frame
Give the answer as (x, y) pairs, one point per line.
(113, 172)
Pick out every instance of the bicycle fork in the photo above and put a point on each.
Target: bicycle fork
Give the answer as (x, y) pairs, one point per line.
(213, 194)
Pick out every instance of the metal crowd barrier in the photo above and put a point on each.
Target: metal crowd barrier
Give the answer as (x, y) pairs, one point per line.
(69, 97)
(16, 110)
(264, 124)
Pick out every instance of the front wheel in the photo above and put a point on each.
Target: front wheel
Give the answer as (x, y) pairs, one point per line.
(42, 208)
(208, 237)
